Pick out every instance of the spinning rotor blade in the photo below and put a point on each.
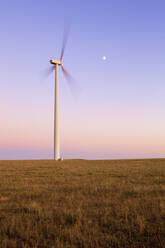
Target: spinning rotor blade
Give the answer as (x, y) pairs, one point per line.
(67, 74)
(65, 39)
(71, 81)
(49, 71)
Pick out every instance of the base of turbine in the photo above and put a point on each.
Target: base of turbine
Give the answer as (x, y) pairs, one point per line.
(59, 159)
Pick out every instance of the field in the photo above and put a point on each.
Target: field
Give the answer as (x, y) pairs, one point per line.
(84, 204)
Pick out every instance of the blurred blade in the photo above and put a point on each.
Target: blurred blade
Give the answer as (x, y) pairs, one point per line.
(73, 85)
(48, 71)
(65, 39)
(67, 74)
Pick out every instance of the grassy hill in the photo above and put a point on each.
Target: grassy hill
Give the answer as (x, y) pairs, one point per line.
(84, 204)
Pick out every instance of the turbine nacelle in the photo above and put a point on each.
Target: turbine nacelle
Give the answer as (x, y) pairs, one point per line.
(54, 62)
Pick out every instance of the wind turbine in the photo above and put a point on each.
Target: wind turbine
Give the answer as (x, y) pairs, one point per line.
(56, 64)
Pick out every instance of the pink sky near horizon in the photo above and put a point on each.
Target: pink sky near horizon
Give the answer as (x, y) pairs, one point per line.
(116, 135)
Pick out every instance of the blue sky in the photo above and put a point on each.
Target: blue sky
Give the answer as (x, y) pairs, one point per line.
(119, 112)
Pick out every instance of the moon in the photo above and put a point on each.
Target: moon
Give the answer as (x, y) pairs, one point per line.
(104, 58)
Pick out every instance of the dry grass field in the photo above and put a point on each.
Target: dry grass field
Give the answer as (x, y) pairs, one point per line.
(84, 204)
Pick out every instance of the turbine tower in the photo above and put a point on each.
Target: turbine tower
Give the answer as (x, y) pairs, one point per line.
(56, 111)
(56, 64)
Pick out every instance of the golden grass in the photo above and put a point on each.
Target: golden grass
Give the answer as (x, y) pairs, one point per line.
(84, 204)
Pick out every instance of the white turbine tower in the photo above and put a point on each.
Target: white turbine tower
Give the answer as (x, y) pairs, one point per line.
(56, 64)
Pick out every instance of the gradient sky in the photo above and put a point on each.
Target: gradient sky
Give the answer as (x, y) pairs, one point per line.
(120, 109)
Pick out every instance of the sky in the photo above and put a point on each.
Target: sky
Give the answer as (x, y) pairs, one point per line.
(119, 109)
